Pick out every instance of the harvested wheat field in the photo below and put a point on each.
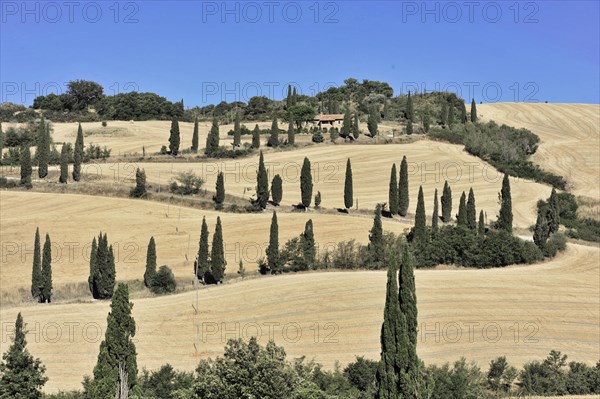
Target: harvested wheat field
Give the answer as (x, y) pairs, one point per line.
(570, 138)
(430, 164)
(74, 220)
(522, 312)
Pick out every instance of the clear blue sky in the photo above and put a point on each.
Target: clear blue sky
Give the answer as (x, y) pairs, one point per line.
(205, 52)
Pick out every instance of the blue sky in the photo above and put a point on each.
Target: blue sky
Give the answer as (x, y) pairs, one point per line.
(205, 51)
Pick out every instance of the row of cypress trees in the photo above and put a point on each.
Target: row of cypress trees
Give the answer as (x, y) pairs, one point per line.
(41, 274)
(210, 263)
(275, 262)
(101, 280)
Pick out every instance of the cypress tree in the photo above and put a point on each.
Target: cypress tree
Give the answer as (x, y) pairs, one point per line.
(64, 164)
(262, 183)
(461, 218)
(347, 124)
(274, 138)
(348, 186)
(103, 278)
(256, 137)
(289, 99)
(420, 232)
(277, 190)
(26, 169)
(473, 111)
(237, 131)
(212, 139)
(195, 136)
(409, 128)
(294, 96)
(307, 246)
(139, 191)
(463, 113)
(408, 303)
(541, 231)
(93, 268)
(393, 191)
(505, 218)
(435, 218)
(117, 350)
(446, 203)
(21, 376)
(217, 255)
(376, 246)
(355, 127)
(43, 148)
(481, 224)
(203, 263)
(174, 137)
(36, 272)
(372, 123)
(318, 199)
(47, 271)
(78, 154)
(471, 211)
(426, 122)
(1, 141)
(444, 114)
(403, 199)
(450, 113)
(553, 212)
(273, 257)
(410, 111)
(219, 197)
(306, 185)
(291, 131)
(150, 263)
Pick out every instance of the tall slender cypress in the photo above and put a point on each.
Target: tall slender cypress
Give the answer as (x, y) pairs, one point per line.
(202, 262)
(212, 139)
(36, 272)
(306, 185)
(505, 218)
(64, 164)
(372, 122)
(195, 136)
(347, 123)
(217, 254)
(174, 137)
(376, 246)
(150, 271)
(219, 196)
(463, 113)
(93, 268)
(348, 186)
(43, 148)
(403, 199)
(274, 138)
(435, 218)
(277, 190)
(256, 137)
(410, 111)
(481, 224)
(26, 169)
(273, 257)
(47, 271)
(408, 302)
(291, 131)
(78, 154)
(473, 111)
(307, 245)
(444, 113)
(262, 183)
(393, 191)
(471, 211)
(420, 232)
(355, 126)
(553, 212)
(541, 230)
(237, 131)
(461, 218)
(446, 203)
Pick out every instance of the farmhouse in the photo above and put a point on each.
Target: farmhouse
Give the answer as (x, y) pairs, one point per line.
(328, 120)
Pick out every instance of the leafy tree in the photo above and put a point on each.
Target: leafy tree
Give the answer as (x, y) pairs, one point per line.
(410, 111)
(318, 199)
(202, 262)
(473, 111)
(446, 203)
(262, 183)
(117, 350)
(348, 186)
(505, 217)
(46, 272)
(435, 218)
(277, 190)
(420, 230)
(393, 191)
(64, 164)
(501, 376)
(291, 131)
(78, 154)
(26, 169)
(403, 199)
(274, 137)
(174, 137)
(273, 256)
(212, 139)
(36, 272)
(355, 126)
(306, 185)
(463, 113)
(237, 131)
(217, 255)
(372, 122)
(471, 211)
(139, 191)
(461, 218)
(481, 224)
(195, 136)
(42, 152)
(302, 113)
(84, 93)
(150, 263)
(21, 376)
(376, 246)
(219, 196)
(163, 281)
(256, 137)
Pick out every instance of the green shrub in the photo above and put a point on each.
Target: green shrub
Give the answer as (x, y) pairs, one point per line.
(163, 281)
(186, 183)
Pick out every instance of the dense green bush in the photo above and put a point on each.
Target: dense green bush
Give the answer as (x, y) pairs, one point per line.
(163, 281)
(186, 183)
(579, 228)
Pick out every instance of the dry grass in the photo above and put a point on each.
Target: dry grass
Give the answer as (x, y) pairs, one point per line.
(570, 135)
(535, 308)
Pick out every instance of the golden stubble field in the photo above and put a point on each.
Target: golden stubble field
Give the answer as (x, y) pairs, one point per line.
(522, 312)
